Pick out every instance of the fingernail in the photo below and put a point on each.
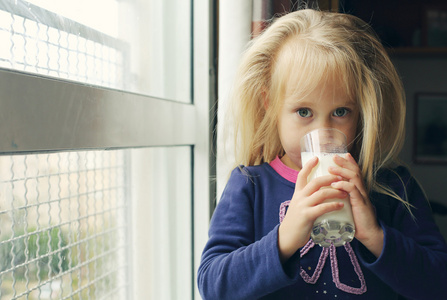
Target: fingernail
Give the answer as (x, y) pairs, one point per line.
(313, 159)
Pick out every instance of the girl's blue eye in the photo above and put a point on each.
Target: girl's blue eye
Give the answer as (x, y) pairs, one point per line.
(341, 112)
(304, 112)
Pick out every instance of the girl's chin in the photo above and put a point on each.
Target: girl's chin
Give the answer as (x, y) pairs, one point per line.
(293, 164)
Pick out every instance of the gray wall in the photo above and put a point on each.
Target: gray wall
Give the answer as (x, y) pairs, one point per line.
(424, 73)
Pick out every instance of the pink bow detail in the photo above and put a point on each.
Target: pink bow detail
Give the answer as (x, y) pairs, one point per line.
(334, 263)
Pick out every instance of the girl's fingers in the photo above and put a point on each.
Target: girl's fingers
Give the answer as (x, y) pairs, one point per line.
(320, 182)
(326, 193)
(362, 210)
(301, 180)
(348, 169)
(347, 174)
(305, 210)
(349, 157)
(315, 184)
(349, 188)
(346, 163)
(324, 208)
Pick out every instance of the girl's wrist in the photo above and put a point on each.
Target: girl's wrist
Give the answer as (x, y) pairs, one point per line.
(285, 251)
(374, 243)
(287, 245)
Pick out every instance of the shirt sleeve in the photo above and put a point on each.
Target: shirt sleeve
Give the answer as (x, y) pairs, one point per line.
(414, 259)
(234, 265)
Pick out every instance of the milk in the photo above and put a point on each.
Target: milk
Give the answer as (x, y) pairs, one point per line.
(325, 160)
(335, 227)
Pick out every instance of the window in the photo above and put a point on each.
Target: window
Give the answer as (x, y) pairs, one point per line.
(63, 225)
(66, 39)
(105, 129)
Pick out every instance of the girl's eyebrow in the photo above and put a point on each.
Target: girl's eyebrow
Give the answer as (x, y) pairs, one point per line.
(350, 102)
(294, 103)
(302, 102)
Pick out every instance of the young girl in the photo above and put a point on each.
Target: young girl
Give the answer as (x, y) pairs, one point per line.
(309, 70)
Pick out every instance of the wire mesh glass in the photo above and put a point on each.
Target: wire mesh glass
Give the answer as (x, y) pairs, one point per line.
(63, 226)
(38, 41)
(142, 47)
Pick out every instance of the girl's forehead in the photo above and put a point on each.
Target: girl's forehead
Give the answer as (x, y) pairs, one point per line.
(302, 85)
(328, 93)
(301, 68)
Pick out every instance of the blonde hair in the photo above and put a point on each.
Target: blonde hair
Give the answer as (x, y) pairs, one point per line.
(310, 47)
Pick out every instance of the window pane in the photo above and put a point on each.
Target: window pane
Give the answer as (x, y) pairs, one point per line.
(162, 220)
(76, 224)
(64, 226)
(138, 46)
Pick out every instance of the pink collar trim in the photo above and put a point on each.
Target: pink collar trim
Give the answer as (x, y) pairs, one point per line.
(283, 170)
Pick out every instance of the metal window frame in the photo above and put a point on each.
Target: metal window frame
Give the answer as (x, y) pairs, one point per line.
(37, 116)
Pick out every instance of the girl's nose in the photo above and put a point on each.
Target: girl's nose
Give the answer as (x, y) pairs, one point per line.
(325, 123)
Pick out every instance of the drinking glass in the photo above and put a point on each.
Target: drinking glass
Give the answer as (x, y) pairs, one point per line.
(336, 227)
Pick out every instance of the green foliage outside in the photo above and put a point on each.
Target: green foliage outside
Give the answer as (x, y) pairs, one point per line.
(47, 246)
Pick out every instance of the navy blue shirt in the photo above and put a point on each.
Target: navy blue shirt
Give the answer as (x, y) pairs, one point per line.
(241, 258)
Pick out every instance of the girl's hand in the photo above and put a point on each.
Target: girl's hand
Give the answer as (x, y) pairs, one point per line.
(367, 229)
(305, 207)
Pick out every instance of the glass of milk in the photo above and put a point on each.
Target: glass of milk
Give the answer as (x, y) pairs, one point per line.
(335, 227)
